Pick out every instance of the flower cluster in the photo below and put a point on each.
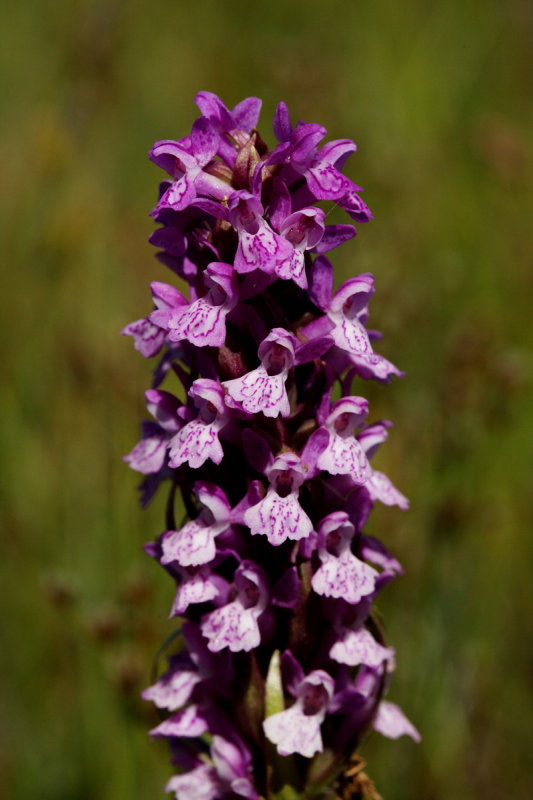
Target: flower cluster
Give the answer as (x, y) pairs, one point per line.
(271, 451)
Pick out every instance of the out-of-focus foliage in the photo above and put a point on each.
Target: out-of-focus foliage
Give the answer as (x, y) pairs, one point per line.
(435, 96)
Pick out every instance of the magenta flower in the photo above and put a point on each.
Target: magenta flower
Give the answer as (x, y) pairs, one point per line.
(255, 422)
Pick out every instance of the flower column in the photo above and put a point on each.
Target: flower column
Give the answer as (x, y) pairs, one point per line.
(285, 668)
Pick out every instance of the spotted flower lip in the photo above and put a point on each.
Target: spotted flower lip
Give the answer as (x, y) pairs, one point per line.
(203, 322)
(297, 728)
(263, 389)
(258, 427)
(235, 625)
(341, 574)
(198, 439)
(194, 544)
(279, 515)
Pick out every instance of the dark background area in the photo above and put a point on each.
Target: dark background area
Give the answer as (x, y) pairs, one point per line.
(435, 95)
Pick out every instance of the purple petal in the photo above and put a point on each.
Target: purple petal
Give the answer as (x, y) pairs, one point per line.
(373, 435)
(371, 365)
(257, 451)
(172, 157)
(356, 208)
(286, 592)
(373, 550)
(178, 195)
(173, 690)
(214, 109)
(204, 141)
(246, 113)
(282, 123)
(190, 723)
(148, 338)
(171, 239)
(334, 236)
(326, 182)
(321, 282)
(164, 406)
(304, 139)
(280, 205)
(336, 152)
(381, 488)
(392, 722)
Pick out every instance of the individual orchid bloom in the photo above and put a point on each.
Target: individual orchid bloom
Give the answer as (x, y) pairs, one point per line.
(194, 544)
(341, 574)
(344, 455)
(149, 455)
(259, 246)
(190, 722)
(392, 722)
(149, 335)
(203, 322)
(235, 625)
(198, 439)
(354, 644)
(303, 229)
(279, 515)
(198, 585)
(263, 389)
(184, 161)
(321, 168)
(297, 729)
(344, 311)
(175, 687)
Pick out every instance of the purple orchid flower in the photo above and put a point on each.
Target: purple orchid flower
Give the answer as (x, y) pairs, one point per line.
(202, 322)
(297, 729)
(344, 454)
(342, 574)
(268, 449)
(235, 625)
(263, 389)
(194, 544)
(198, 439)
(279, 515)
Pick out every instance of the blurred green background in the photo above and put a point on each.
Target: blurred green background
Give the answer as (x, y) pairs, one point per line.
(435, 94)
